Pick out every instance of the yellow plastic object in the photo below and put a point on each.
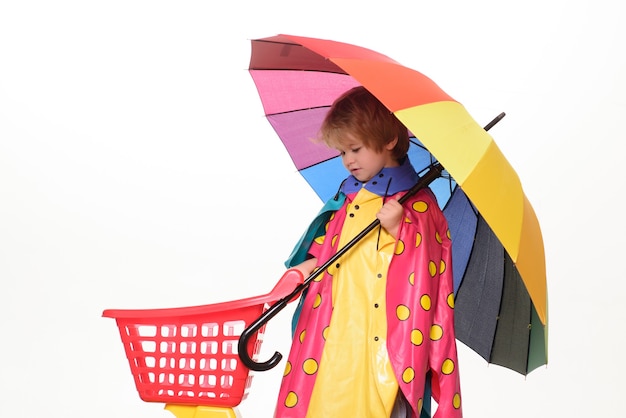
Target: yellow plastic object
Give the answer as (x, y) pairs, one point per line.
(191, 411)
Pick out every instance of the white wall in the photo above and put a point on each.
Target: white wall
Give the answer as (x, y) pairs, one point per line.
(116, 116)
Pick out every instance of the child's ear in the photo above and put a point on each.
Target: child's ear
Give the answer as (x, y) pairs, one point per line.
(391, 144)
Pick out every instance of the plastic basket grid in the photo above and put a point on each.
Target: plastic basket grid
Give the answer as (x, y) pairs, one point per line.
(189, 357)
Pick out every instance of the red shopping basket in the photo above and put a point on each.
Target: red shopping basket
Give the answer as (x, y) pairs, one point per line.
(189, 355)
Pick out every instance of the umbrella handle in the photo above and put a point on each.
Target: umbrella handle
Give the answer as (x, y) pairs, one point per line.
(433, 173)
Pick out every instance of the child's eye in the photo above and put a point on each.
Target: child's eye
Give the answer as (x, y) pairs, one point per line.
(355, 149)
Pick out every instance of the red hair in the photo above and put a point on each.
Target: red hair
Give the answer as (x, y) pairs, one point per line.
(360, 113)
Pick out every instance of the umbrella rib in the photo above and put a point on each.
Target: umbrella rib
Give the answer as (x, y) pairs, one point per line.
(530, 321)
(318, 163)
(296, 69)
(304, 109)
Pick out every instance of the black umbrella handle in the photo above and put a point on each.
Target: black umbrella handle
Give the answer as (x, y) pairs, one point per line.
(433, 173)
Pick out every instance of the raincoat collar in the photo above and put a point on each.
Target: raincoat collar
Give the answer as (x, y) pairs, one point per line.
(389, 181)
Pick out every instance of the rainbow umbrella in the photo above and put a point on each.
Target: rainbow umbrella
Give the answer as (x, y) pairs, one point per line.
(498, 252)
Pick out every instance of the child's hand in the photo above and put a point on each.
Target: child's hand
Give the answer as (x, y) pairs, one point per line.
(390, 216)
(307, 267)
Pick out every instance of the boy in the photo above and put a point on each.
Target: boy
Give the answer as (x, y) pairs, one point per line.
(375, 323)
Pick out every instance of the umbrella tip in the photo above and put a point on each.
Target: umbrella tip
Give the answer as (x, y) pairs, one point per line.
(494, 121)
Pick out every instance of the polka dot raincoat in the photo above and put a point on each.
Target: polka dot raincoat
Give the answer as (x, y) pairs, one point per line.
(418, 311)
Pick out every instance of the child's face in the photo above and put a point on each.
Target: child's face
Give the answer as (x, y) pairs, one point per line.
(362, 162)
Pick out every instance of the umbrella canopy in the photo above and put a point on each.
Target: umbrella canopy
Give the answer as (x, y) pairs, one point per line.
(498, 253)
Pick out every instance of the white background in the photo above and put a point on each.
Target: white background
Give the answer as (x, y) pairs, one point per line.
(137, 171)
